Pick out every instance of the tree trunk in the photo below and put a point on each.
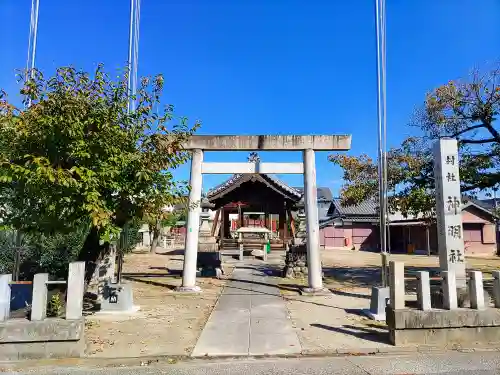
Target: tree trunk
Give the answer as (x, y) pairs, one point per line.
(92, 253)
(155, 239)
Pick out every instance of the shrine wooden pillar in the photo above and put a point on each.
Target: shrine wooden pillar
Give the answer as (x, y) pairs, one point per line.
(288, 223)
(282, 224)
(227, 224)
(240, 218)
(222, 223)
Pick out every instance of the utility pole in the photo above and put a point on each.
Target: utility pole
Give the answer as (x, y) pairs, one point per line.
(30, 60)
(497, 221)
(29, 74)
(132, 69)
(382, 131)
(133, 51)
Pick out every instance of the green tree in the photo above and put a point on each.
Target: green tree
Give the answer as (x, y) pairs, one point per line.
(405, 166)
(157, 216)
(76, 154)
(465, 110)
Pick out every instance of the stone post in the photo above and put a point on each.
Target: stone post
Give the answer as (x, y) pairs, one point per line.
(39, 299)
(240, 240)
(428, 240)
(449, 286)
(449, 209)
(423, 290)
(76, 286)
(397, 285)
(193, 224)
(5, 294)
(496, 288)
(312, 222)
(385, 268)
(266, 240)
(476, 291)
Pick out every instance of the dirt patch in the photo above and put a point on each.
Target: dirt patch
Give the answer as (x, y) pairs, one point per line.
(336, 321)
(325, 323)
(167, 322)
(362, 269)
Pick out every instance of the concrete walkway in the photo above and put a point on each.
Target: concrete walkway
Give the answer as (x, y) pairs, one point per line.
(250, 318)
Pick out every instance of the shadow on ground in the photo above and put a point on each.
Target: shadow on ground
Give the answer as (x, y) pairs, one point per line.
(367, 277)
(365, 333)
(339, 292)
(163, 280)
(171, 252)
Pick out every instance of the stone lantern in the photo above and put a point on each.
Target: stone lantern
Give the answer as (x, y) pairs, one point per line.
(208, 260)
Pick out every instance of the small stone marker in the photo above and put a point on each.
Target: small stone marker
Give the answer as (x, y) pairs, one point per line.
(379, 298)
(117, 298)
(449, 209)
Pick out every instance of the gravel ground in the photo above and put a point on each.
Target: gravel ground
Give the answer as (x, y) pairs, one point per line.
(167, 322)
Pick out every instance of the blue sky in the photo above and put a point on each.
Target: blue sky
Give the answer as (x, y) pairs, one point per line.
(268, 66)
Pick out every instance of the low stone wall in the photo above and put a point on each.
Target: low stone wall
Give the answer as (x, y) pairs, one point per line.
(50, 338)
(443, 327)
(296, 262)
(41, 337)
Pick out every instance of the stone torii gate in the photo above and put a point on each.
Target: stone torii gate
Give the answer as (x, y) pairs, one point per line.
(308, 144)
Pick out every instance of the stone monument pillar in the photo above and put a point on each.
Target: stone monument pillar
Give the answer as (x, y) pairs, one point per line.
(116, 297)
(449, 210)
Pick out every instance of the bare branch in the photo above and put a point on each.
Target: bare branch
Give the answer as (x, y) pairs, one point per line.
(477, 141)
(467, 130)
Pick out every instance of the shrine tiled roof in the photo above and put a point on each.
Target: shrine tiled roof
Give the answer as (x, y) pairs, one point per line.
(363, 209)
(324, 193)
(238, 177)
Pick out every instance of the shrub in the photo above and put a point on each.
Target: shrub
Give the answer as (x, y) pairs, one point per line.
(7, 251)
(55, 306)
(41, 253)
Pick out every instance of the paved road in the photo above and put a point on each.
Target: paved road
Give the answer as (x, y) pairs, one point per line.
(486, 363)
(250, 318)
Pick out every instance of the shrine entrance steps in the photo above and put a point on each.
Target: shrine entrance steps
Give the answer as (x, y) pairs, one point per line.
(232, 243)
(229, 245)
(250, 318)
